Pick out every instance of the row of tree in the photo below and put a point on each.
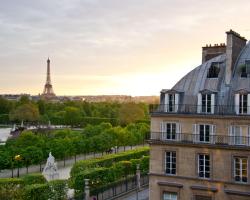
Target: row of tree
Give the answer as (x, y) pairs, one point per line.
(73, 113)
(33, 148)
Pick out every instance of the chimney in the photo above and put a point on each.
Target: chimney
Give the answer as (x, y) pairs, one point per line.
(235, 43)
(211, 51)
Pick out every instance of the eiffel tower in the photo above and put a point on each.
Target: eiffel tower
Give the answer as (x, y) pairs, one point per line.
(48, 92)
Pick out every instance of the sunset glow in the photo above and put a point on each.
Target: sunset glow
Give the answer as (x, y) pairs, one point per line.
(133, 47)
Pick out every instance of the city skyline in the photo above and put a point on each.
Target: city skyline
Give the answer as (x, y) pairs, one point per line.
(105, 47)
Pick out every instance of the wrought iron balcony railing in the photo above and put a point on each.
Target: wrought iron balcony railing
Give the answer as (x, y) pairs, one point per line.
(200, 139)
(199, 109)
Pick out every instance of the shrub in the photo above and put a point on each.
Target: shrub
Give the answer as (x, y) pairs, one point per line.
(58, 189)
(108, 160)
(11, 188)
(36, 192)
(101, 177)
(33, 179)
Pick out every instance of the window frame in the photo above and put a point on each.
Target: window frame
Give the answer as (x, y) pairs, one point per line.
(243, 107)
(240, 170)
(204, 133)
(171, 193)
(204, 166)
(173, 161)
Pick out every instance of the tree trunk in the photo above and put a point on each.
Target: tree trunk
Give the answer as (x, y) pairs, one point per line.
(75, 158)
(18, 171)
(27, 169)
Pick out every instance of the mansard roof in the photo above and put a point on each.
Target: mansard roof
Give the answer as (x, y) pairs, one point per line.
(197, 81)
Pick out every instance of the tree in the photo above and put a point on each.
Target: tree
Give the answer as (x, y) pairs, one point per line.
(130, 113)
(25, 112)
(32, 155)
(5, 161)
(72, 116)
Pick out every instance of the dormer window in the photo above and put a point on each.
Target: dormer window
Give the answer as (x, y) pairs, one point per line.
(214, 70)
(245, 69)
(242, 103)
(206, 103)
(171, 102)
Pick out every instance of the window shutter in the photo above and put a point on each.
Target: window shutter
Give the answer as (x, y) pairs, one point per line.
(176, 103)
(237, 103)
(248, 136)
(248, 104)
(162, 130)
(178, 131)
(199, 103)
(166, 103)
(212, 103)
(231, 138)
(212, 133)
(195, 132)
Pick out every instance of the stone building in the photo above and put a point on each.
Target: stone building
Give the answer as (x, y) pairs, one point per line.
(200, 132)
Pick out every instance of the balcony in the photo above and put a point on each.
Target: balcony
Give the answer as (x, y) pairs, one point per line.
(198, 109)
(185, 138)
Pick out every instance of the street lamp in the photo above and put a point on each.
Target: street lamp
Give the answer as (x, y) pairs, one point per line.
(138, 181)
(18, 158)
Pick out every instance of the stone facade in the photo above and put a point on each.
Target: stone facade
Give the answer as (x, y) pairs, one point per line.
(200, 135)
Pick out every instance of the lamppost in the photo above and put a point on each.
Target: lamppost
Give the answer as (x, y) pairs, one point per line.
(18, 158)
(138, 180)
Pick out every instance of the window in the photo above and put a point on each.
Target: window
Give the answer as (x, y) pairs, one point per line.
(204, 135)
(213, 71)
(170, 131)
(171, 102)
(242, 103)
(170, 162)
(204, 166)
(240, 169)
(169, 196)
(206, 103)
(245, 69)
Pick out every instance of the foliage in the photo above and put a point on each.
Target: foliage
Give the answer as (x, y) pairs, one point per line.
(32, 187)
(36, 192)
(30, 179)
(101, 176)
(130, 113)
(73, 113)
(34, 148)
(25, 112)
(107, 160)
(11, 189)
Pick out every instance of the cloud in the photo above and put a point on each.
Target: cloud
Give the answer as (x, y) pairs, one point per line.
(111, 37)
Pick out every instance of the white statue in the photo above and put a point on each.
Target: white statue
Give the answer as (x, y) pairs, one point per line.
(50, 170)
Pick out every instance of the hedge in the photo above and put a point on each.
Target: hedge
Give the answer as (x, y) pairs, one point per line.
(108, 160)
(36, 192)
(103, 176)
(33, 179)
(20, 189)
(53, 190)
(11, 188)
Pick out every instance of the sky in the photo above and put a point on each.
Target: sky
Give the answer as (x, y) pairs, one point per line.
(96, 47)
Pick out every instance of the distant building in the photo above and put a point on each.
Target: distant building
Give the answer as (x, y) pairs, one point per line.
(48, 92)
(14, 97)
(200, 132)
